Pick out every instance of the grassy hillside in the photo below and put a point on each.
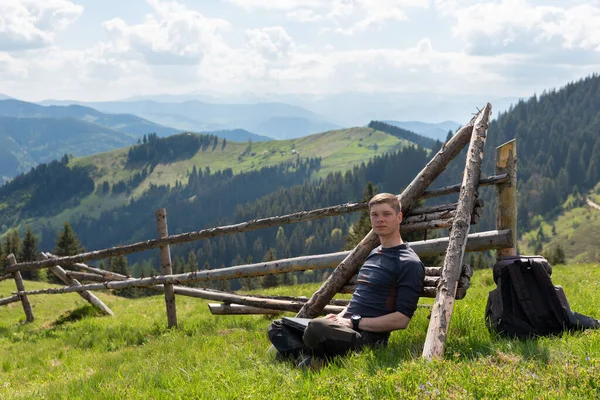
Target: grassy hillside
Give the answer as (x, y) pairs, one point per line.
(339, 149)
(70, 353)
(576, 230)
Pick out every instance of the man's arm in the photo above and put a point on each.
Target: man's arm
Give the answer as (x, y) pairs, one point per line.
(385, 323)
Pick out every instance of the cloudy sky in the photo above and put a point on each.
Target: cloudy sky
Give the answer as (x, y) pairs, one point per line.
(111, 49)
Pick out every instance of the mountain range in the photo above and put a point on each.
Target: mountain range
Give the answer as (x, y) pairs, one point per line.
(277, 120)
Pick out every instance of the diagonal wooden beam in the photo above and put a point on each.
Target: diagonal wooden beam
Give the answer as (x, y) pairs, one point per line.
(441, 312)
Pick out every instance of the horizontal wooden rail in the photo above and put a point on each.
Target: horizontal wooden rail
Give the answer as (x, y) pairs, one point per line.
(223, 230)
(5, 277)
(238, 309)
(476, 242)
(8, 300)
(417, 211)
(490, 180)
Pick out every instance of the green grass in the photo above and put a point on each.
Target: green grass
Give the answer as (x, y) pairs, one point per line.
(70, 353)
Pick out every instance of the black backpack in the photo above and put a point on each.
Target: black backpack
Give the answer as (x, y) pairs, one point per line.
(526, 304)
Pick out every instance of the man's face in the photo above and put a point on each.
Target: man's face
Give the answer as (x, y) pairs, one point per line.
(384, 219)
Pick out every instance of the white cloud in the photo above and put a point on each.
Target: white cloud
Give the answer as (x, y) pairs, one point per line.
(28, 24)
(347, 16)
(11, 67)
(272, 42)
(173, 34)
(518, 26)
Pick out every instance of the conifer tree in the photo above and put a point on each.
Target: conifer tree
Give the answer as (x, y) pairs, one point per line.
(192, 262)
(270, 280)
(29, 252)
(363, 226)
(67, 243)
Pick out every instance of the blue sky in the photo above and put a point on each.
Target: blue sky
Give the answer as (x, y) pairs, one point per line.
(109, 49)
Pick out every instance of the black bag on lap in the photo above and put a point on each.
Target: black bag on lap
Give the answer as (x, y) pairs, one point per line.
(526, 304)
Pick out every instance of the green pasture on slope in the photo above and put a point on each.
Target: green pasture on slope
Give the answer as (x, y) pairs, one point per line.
(70, 353)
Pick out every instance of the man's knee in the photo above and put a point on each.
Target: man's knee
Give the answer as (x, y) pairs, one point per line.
(315, 333)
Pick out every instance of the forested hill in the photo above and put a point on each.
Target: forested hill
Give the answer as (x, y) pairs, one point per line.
(558, 146)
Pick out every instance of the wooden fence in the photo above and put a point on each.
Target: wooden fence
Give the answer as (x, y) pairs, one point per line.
(457, 216)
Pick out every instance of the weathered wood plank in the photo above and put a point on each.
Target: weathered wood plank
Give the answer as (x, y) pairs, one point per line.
(86, 295)
(5, 277)
(506, 194)
(491, 180)
(21, 288)
(84, 276)
(165, 267)
(441, 313)
(238, 309)
(10, 299)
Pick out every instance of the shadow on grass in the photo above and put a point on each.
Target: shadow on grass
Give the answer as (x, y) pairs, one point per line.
(77, 315)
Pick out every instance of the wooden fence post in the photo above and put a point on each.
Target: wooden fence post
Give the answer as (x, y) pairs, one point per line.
(506, 194)
(442, 309)
(165, 266)
(21, 288)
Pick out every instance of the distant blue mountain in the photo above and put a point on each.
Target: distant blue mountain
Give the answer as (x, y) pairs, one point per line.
(274, 119)
(293, 127)
(437, 131)
(27, 142)
(125, 123)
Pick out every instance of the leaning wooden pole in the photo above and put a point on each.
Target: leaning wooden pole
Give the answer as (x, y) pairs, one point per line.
(165, 266)
(87, 295)
(21, 288)
(506, 194)
(441, 312)
(351, 264)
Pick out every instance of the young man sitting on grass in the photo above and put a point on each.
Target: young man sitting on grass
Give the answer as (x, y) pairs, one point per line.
(387, 291)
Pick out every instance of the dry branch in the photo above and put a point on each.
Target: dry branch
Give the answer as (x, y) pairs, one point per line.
(441, 312)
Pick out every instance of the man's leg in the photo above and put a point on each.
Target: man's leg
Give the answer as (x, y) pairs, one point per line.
(327, 338)
(286, 340)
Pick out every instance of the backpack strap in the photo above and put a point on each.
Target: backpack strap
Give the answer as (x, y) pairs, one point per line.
(521, 291)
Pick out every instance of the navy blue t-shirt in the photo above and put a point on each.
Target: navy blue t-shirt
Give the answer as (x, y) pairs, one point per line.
(391, 279)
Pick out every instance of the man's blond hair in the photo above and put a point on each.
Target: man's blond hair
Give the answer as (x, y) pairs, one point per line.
(386, 198)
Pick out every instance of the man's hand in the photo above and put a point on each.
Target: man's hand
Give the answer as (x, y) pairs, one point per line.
(339, 320)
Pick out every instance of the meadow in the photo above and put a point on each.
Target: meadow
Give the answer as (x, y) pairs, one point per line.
(69, 352)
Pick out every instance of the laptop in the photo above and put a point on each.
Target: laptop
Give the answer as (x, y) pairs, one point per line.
(296, 323)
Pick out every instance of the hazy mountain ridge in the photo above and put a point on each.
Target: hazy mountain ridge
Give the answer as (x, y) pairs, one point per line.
(26, 142)
(122, 122)
(200, 116)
